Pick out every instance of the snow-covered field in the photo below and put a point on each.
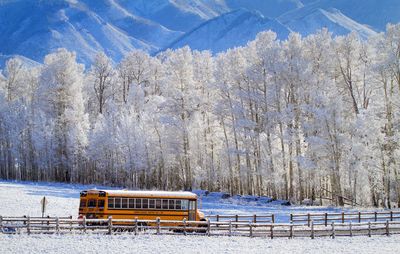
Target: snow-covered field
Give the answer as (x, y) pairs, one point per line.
(192, 244)
(24, 199)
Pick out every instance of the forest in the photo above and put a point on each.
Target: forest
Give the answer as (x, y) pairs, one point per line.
(309, 118)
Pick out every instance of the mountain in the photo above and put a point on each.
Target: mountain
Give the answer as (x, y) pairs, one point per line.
(308, 20)
(178, 15)
(374, 13)
(34, 28)
(229, 30)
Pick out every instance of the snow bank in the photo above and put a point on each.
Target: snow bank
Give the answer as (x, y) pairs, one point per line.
(192, 244)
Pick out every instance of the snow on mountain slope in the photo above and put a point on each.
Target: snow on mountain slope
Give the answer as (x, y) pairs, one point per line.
(179, 15)
(35, 28)
(229, 30)
(29, 63)
(308, 20)
(375, 13)
(372, 14)
(270, 8)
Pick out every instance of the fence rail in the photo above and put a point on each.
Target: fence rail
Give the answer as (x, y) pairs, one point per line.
(263, 218)
(58, 225)
(327, 218)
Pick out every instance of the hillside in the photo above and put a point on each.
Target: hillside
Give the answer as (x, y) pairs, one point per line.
(35, 28)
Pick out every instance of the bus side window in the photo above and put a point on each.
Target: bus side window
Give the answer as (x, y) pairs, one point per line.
(111, 203)
(117, 203)
(92, 203)
(138, 203)
(83, 203)
(184, 204)
(100, 204)
(145, 203)
(192, 205)
(178, 204)
(171, 204)
(152, 203)
(158, 203)
(131, 203)
(165, 204)
(124, 203)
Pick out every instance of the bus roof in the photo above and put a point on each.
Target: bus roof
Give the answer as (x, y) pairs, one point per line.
(148, 194)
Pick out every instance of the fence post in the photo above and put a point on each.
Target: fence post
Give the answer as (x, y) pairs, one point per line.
(387, 228)
(359, 217)
(333, 230)
(84, 224)
(110, 225)
(272, 231)
(48, 222)
(57, 225)
(217, 220)
(369, 228)
(255, 218)
(208, 227)
(291, 231)
(308, 220)
(273, 218)
(342, 217)
(376, 216)
(251, 229)
(291, 217)
(1, 223)
(391, 215)
(351, 229)
(28, 225)
(136, 225)
(158, 225)
(70, 223)
(184, 226)
(312, 229)
(326, 219)
(237, 220)
(230, 228)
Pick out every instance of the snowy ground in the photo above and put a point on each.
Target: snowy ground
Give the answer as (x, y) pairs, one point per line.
(63, 200)
(24, 199)
(192, 244)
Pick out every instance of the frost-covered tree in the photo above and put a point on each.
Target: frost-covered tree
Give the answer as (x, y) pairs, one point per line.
(63, 120)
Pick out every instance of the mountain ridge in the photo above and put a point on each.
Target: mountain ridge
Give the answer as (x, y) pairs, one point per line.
(35, 28)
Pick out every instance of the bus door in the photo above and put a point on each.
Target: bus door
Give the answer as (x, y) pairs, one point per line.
(192, 210)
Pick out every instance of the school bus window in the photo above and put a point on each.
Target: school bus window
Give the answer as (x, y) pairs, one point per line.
(110, 203)
(158, 203)
(177, 204)
(138, 203)
(145, 203)
(100, 204)
(165, 204)
(184, 204)
(83, 203)
(117, 203)
(192, 205)
(92, 203)
(131, 203)
(124, 203)
(171, 204)
(152, 203)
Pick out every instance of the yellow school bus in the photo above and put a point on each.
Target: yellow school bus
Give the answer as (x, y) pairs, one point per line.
(143, 205)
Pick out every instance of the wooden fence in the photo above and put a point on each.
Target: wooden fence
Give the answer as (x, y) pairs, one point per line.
(264, 218)
(327, 218)
(51, 225)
